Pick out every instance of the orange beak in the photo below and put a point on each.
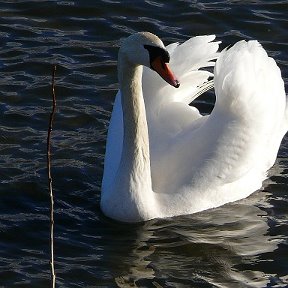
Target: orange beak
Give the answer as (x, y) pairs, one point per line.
(164, 71)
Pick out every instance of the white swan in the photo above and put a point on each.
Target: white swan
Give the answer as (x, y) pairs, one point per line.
(182, 162)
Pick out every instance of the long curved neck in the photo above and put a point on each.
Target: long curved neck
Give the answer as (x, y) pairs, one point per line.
(135, 159)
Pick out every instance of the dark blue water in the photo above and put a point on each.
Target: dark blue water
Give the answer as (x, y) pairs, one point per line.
(242, 244)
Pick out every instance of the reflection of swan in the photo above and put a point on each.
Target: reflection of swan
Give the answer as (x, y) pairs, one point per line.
(138, 267)
(188, 162)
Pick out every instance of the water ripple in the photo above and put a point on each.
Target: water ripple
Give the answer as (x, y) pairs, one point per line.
(237, 245)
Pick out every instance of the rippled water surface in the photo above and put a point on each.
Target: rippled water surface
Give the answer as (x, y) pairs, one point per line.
(242, 244)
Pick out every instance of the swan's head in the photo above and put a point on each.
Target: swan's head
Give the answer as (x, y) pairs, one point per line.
(147, 49)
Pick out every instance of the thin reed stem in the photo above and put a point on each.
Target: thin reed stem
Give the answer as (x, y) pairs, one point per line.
(53, 276)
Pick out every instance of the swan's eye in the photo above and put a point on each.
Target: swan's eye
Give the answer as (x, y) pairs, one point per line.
(155, 52)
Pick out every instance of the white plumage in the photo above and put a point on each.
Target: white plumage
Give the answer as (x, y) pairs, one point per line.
(176, 161)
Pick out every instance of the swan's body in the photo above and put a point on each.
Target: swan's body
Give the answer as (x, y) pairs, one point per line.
(162, 157)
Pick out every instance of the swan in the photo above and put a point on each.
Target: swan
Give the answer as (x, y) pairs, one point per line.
(163, 158)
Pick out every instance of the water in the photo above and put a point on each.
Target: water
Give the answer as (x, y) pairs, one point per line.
(242, 244)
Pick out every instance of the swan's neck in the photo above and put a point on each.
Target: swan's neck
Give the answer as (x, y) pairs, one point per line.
(136, 140)
(133, 180)
(135, 152)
